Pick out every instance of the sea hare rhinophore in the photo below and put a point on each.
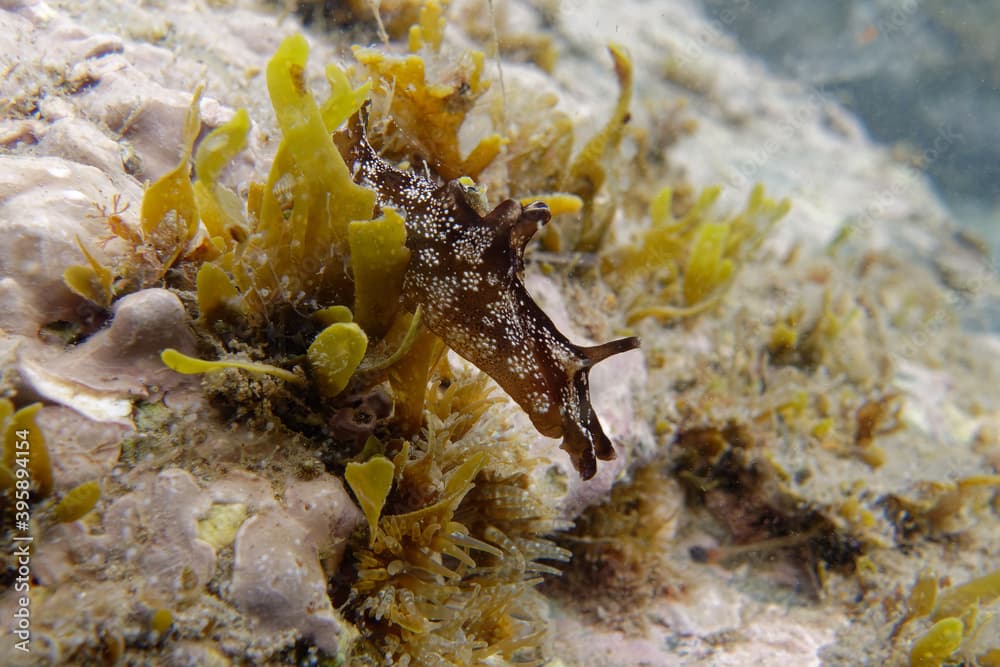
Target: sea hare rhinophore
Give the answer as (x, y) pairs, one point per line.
(464, 273)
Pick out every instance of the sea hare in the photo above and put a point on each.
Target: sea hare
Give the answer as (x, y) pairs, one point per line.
(464, 273)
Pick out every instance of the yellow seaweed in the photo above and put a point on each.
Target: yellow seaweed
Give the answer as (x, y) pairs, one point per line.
(681, 267)
(308, 139)
(588, 172)
(923, 597)
(537, 159)
(662, 249)
(181, 363)
(299, 242)
(429, 115)
(172, 193)
(430, 28)
(460, 589)
(405, 322)
(989, 659)
(344, 100)
(220, 146)
(371, 482)
(957, 600)
(77, 502)
(333, 315)
(217, 295)
(933, 648)
(379, 258)
(220, 526)
(335, 354)
(220, 208)
(707, 268)
(161, 621)
(408, 379)
(91, 281)
(24, 442)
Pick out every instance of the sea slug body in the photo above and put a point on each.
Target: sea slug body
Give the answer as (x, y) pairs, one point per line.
(465, 273)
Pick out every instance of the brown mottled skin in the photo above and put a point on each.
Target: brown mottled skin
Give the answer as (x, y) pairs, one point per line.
(465, 273)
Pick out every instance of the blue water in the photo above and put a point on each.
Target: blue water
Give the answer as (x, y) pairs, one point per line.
(924, 77)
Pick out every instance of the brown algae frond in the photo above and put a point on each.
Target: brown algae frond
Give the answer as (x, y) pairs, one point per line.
(77, 502)
(25, 464)
(418, 117)
(683, 266)
(958, 616)
(588, 172)
(453, 551)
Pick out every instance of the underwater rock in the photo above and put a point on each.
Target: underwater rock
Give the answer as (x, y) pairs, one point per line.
(18, 314)
(144, 324)
(44, 204)
(81, 449)
(81, 142)
(66, 547)
(100, 377)
(178, 526)
(323, 507)
(246, 488)
(150, 125)
(156, 527)
(615, 384)
(277, 579)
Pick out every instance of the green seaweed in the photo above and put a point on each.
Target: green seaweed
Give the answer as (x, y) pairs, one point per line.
(25, 455)
(680, 267)
(77, 502)
(335, 354)
(219, 208)
(379, 258)
(371, 482)
(172, 194)
(92, 280)
(218, 298)
(938, 644)
(588, 172)
(181, 363)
